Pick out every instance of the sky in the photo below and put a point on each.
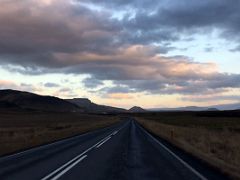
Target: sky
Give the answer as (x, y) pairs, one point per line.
(150, 53)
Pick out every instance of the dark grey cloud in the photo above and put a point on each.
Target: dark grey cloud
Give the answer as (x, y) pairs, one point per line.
(33, 38)
(92, 82)
(236, 49)
(133, 5)
(73, 39)
(211, 85)
(150, 86)
(51, 85)
(186, 17)
(161, 21)
(116, 89)
(36, 38)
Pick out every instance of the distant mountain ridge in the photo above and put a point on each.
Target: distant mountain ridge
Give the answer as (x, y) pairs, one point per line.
(234, 106)
(25, 100)
(187, 108)
(222, 107)
(89, 106)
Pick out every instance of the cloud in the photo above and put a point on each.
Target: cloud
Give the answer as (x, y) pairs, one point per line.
(235, 49)
(208, 49)
(70, 38)
(65, 92)
(158, 21)
(217, 98)
(6, 84)
(51, 85)
(116, 89)
(39, 32)
(92, 82)
(118, 96)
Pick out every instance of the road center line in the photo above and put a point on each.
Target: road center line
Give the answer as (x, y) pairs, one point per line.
(103, 142)
(66, 164)
(69, 162)
(115, 132)
(68, 168)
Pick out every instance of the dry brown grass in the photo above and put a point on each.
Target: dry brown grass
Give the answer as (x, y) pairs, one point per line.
(22, 130)
(220, 147)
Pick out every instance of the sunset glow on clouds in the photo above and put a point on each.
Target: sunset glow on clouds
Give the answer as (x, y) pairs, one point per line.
(123, 53)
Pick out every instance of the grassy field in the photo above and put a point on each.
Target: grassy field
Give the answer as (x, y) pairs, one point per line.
(212, 136)
(21, 130)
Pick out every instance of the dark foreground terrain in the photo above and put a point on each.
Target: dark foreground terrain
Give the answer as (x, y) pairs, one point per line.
(123, 151)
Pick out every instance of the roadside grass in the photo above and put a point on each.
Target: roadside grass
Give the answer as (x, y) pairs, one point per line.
(23, 130)
(215, 140)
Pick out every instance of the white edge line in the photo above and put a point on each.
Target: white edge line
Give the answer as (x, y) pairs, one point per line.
(177, 157)
(68, 168)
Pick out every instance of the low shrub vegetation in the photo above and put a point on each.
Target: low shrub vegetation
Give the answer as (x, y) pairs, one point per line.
(23, 130)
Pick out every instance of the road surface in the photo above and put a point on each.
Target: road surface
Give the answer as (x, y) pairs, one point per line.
(124, 151)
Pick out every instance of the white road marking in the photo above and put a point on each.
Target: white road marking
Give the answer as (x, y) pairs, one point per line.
(66, 164)
(103, 142)
(177, 157)
(68, 168)
(71, 161)
(115, 132)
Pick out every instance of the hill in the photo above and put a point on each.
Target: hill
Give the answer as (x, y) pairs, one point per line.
(26, 100)
(91, 107)
(136, 109)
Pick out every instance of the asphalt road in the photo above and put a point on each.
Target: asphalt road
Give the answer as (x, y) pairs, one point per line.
(124, 151)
